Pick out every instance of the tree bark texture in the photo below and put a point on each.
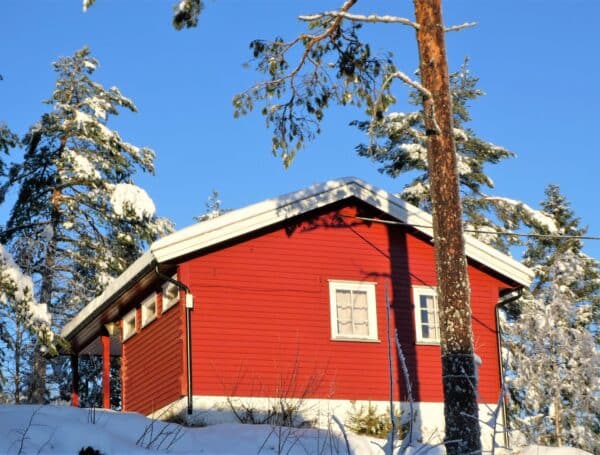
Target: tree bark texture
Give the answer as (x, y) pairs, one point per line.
(462, 433)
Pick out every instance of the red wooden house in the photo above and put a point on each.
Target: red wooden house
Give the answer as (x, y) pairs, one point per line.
(288, 297)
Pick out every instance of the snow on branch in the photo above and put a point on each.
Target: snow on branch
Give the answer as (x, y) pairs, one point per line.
(534, 215)
(127, 198)
(428, 104)
(386, 19)
(87, 4)
(458, 28)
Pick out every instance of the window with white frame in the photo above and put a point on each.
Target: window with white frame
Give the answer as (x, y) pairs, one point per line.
(427, 320)
(128, 325)
(353, 310)
(148, 310)
(170, 294)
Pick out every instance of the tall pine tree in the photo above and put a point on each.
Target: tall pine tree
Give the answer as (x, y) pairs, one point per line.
(79, 219)
(397, 141)
(554, 360)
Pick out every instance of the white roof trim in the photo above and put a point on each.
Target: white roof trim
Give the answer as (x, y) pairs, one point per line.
(248, 219)
(112, 289)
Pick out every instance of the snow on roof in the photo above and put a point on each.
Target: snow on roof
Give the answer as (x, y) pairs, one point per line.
(251, 218)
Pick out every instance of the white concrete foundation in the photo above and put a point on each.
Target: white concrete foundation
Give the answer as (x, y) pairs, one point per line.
(428, 417)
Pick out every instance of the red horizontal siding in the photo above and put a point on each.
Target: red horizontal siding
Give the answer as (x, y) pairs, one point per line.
(151, 367)
(261, 318)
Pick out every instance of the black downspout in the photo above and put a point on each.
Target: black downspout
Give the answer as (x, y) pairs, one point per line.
(189, 302)
(501, 303)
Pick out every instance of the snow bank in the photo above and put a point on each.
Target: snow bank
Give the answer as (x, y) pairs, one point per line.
(61, 429)
(31, 429)
(540, 450)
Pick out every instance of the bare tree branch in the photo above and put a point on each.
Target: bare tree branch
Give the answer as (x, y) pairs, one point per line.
(458, 28)
(428, 104)
(373, 18)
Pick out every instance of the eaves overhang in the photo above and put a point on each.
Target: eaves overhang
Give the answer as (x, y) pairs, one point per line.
(239, 222)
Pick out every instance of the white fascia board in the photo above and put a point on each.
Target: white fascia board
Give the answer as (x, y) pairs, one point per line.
(474, 249)
(260, 215)
(249, 219)
(112, 289)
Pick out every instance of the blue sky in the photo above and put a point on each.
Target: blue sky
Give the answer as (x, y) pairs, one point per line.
(536, 59)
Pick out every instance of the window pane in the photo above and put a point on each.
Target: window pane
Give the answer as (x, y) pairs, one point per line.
(344, 311)
(351, 305)
(427, 317)
(360, 314)
(426, 301)
(352, 312)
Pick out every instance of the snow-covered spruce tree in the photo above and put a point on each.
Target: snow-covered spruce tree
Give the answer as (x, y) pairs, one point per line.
(554, 361)
(22, 320)
(77, 204)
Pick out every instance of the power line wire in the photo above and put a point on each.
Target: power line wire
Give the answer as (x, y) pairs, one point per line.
(477, 231)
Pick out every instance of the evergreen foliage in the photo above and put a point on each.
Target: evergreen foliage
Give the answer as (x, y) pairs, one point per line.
(555, 362)
(397, 141)
(79, 220)
(186, 12)
(22, 320)
(76, 199)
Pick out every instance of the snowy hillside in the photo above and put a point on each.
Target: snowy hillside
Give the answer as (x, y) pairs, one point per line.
(29, 429)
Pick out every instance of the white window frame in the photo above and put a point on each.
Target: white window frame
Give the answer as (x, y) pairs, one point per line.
(148, 315)
(128, 330)
(369, 288)
(166, 302)
(426, 291)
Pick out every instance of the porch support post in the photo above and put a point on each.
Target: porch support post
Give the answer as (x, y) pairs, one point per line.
(75, 380)
(105, 371)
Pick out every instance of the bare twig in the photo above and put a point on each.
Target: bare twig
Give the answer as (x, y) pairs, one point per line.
(411, 401)
(391, 370)
(374, 18)
(24, 432)
(343, 430)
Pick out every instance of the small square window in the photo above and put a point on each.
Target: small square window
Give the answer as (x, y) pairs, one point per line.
(170, 295)
(427, 320)
(353, 312)
(148, 310)
(128, 325)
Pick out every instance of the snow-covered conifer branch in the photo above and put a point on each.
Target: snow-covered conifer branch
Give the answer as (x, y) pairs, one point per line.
(374, 18)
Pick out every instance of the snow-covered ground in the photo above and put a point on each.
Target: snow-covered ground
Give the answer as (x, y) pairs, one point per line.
(31, 429)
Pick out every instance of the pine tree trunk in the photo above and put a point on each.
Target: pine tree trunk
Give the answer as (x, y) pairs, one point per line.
(462, 433)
